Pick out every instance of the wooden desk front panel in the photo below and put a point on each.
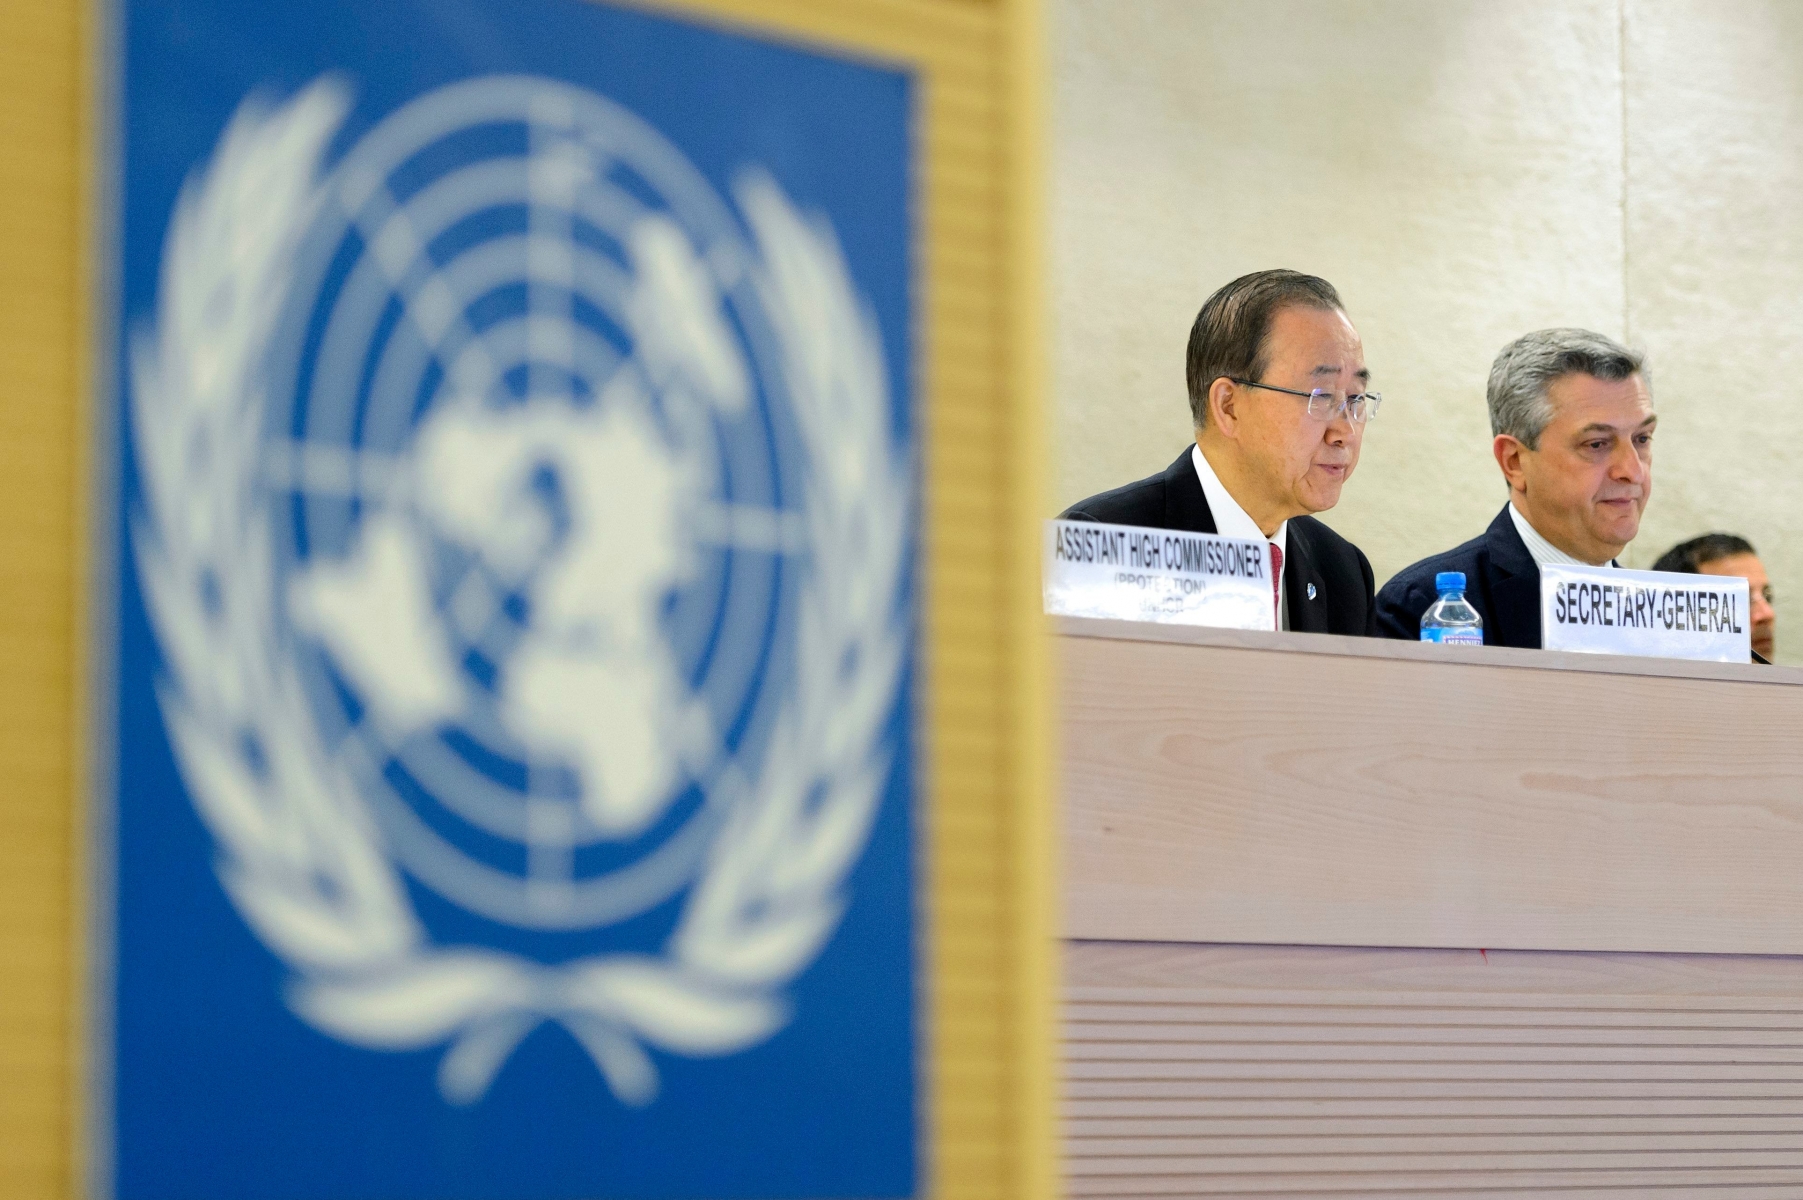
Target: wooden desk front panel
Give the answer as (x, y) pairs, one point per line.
(1288, 789)
(1322, 1072)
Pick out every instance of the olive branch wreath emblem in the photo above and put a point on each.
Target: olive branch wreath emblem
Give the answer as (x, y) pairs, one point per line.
(297, 851)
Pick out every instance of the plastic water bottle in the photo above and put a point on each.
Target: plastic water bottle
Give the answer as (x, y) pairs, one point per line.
(1450, 619)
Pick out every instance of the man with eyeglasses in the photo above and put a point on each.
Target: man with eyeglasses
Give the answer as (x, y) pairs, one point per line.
(1279, 398)
(1572, 419)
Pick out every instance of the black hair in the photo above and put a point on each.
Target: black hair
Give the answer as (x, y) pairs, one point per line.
(1228, 337)
(1690, 557)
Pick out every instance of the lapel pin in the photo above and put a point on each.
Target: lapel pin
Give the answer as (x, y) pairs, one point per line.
(1311, 591)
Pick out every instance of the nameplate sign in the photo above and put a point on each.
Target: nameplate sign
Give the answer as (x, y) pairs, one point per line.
(1656, 614)
(1127, 573)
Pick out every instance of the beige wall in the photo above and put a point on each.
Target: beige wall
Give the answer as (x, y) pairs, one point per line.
(1463, 172)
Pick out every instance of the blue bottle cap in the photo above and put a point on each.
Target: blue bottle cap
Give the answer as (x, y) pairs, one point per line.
(1449, 581)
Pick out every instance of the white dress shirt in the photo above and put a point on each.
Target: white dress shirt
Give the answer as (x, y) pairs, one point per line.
(1231, 521)
(1542, 550)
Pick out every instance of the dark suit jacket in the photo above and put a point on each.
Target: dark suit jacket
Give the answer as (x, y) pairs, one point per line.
(1501, 582)
(1337, 569)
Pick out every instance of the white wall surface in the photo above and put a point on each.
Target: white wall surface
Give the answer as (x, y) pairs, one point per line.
(1463, 172)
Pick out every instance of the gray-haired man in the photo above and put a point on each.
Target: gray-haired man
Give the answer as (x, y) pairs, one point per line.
(1573, 420)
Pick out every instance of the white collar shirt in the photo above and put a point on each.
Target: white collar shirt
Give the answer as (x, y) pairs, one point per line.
(1543, 551)
(1231, 521)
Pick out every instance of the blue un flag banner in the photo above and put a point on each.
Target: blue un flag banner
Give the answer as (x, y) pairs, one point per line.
(515, 609)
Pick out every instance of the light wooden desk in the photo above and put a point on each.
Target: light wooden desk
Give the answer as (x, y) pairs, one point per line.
(1355, 917)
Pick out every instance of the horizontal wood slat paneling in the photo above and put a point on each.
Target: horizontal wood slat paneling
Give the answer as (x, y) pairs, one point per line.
(1201, 1166)
(1429, 1073)
(1258, 1039)
(1213, 1059)
(1304, 1118)
(1207, 1152)
(1747, 1181)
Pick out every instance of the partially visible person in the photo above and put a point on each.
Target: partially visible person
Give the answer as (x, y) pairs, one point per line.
(1572, 423)
(1278, 397)
(1731, 555)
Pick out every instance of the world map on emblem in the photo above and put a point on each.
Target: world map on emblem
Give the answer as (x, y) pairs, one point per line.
(523, 519)
(541, 499)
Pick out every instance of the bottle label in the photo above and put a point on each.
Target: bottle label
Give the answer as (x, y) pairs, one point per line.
(1457, 635)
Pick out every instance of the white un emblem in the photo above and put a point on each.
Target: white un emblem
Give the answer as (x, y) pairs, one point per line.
(516, 520)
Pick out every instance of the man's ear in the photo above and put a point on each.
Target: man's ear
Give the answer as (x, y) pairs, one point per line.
(1508, 451)
(1223, 406)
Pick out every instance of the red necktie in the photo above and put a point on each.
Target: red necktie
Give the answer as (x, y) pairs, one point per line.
(1277, 584)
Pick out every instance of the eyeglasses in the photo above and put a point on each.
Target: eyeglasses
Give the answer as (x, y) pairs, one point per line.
(1325, 405)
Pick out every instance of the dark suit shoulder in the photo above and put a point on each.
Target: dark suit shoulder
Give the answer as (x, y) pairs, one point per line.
(1342, 568)
(1411, 591)
(1141, 502)
(1331, 553)
(1171, 499)
(1323, 541)
(1462, 557)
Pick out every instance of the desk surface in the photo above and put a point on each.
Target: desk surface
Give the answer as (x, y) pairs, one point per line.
(1488, 656)
(1297, 789)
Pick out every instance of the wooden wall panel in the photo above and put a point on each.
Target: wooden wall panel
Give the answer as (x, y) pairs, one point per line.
(1193, 1070)
(42, 177)
(1304, 790)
